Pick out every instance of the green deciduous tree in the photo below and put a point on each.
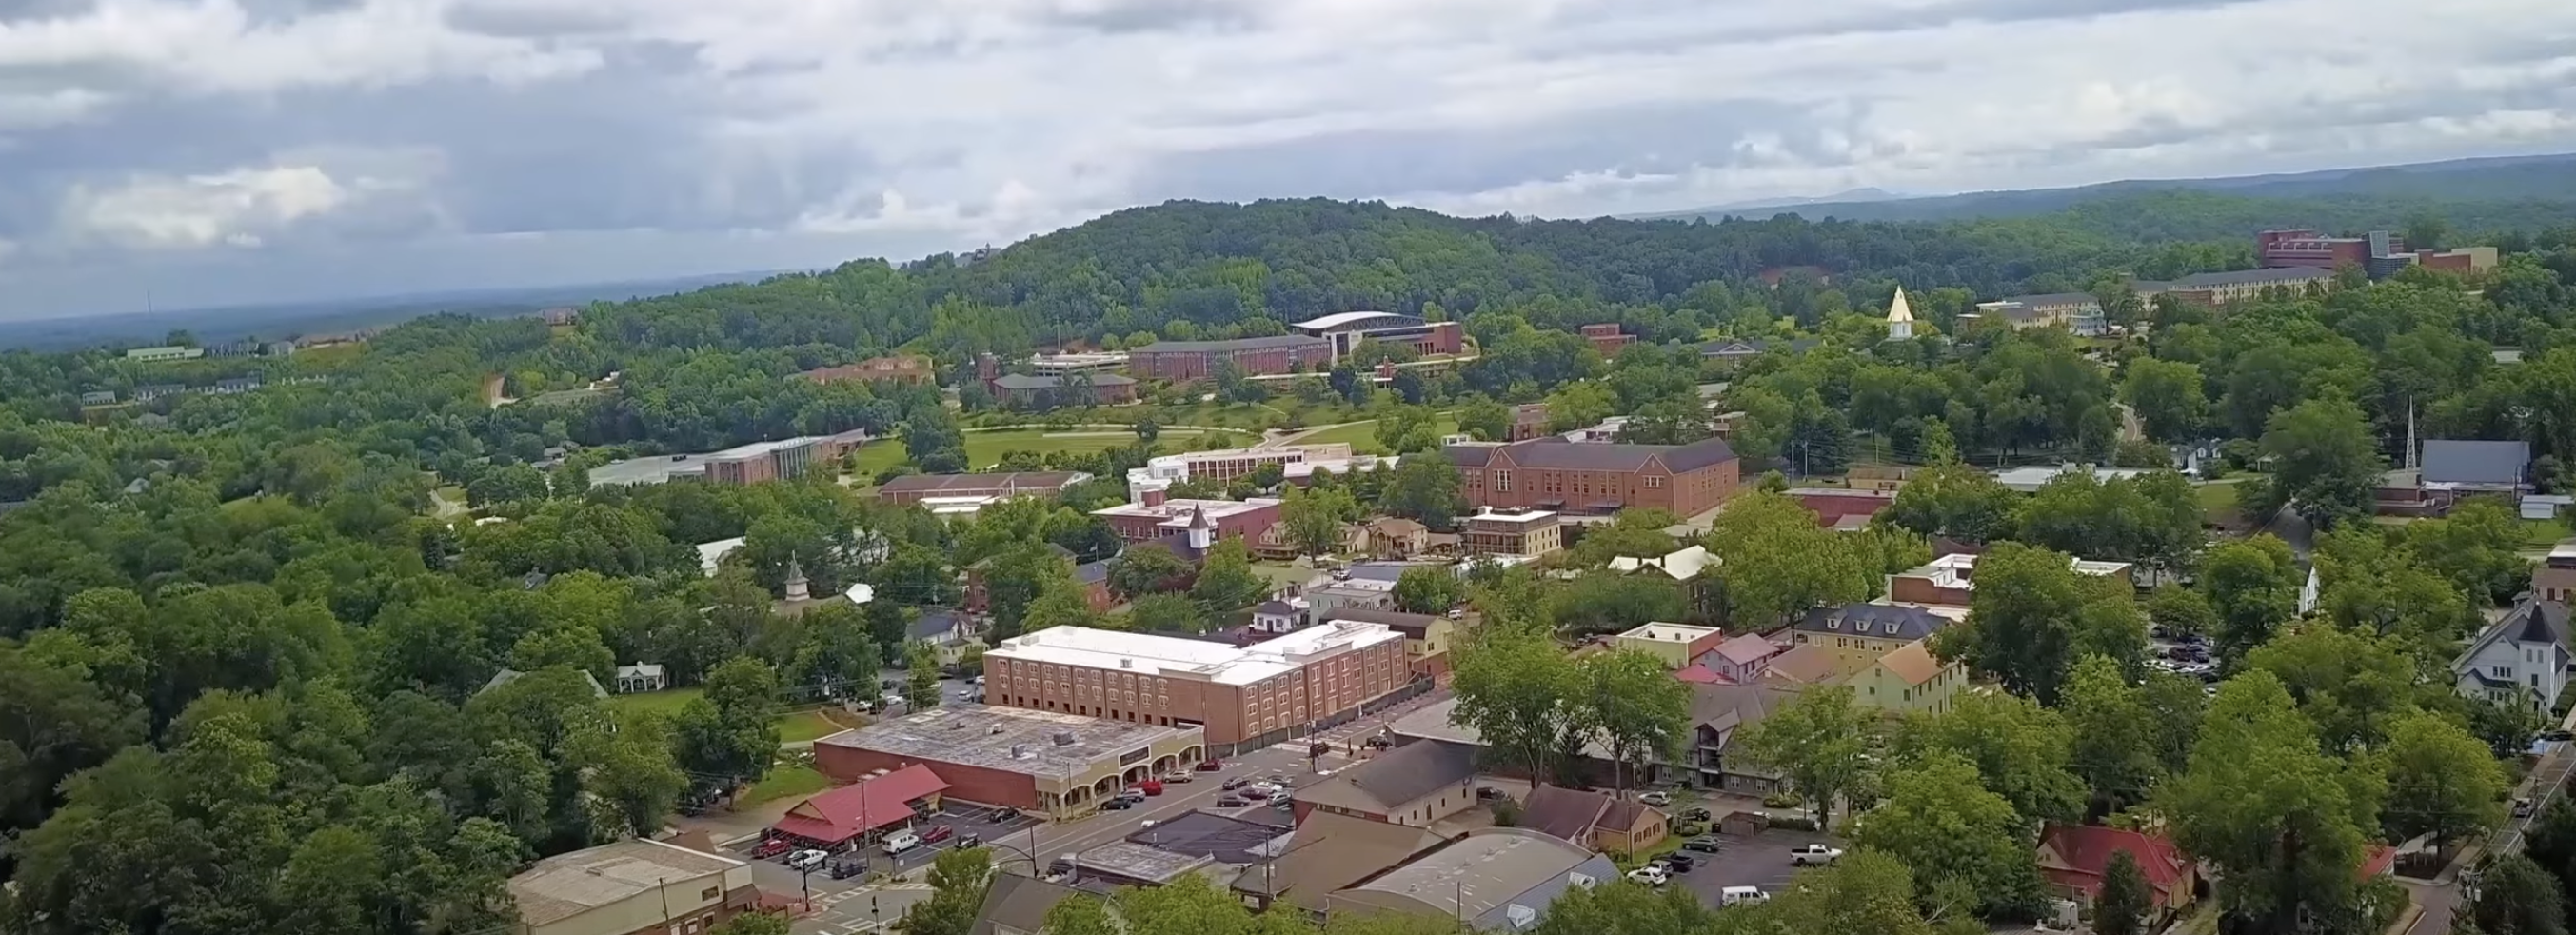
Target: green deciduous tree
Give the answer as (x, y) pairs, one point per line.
(1637, 709)
(2282, 821)
(2516, 896)
(1955, 501)
(1964, 841)
(2021, 751)
(1512, 683)
(2325, 462)
(1484, 419)
(2033, 616)
(2441, 780)
(1226, 580)
(921, 670)
(1819, 741)
(1424, 488)
(2112, 743)
(2253, 585)
(2125, 903)
(1776, 561)
(1428, 590)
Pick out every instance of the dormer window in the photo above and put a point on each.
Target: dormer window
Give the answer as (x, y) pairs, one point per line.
(1833, 623)
(1891, 628)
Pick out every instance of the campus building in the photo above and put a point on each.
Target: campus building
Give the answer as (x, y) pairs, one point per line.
(1241, 696)
(1588, 478)
(1157, 518)
(1185, 361)
(999, 485)
(1347, 329)
(1295, 462)
(1513, 532)
(742, 464)
(906, 368)
(631, 887)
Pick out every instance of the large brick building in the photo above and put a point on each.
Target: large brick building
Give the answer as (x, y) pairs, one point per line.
(1347, 329)
(1242, 696)
(1184, 361)
(1058, 764)
(1579, 478)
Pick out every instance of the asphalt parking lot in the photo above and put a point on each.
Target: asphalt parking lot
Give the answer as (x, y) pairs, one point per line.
(1759, 861)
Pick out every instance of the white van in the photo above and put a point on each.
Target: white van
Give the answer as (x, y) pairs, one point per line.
(1741, 895)
(901, 841)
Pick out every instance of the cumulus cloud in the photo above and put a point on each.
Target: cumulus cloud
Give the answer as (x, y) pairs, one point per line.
(800, 126)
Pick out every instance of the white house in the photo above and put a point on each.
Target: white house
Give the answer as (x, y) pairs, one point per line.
(2526, 651)
(642, 677)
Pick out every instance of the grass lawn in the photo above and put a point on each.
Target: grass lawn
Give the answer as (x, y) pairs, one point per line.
(805, 725)
(1362, 436)
(2543, 533)
(787, 781)
(661, 702)
(983, 449)
(2217, 501)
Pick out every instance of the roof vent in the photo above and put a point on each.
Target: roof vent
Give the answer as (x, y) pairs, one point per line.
(1019, 751)
(1126, 663)
(1063, 738)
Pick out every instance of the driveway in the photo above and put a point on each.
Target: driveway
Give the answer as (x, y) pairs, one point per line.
(1760, 861)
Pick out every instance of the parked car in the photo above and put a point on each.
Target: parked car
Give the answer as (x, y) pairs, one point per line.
(2560, 734)
(1281, 797)
(1231, 801)
(1679, 862)
(1377, 742)
(2522, 807)
(1210, 766)
(1693, 813)
(1657, 798)
(1489, 793)
(901, 841)
(1705, 844)
(938, 833)
(770, 848)
(1650, 875)
(1117, 805)
(1151, 787)
(846, 868)
(1062, 866)
(1740, 895)
(806, 860)
(1179, 777)
(965, 841)
(1814, 855)
(1282, 803)
(1236, 782)
(1130, 796)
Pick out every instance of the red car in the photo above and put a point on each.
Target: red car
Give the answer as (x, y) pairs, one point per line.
(1210, 766)
(1151, 787)
(937, 833)
(769, 848)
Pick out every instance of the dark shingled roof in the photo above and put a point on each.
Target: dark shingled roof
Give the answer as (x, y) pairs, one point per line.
(1020, 904)
(2455, 461)
(1570, 814)
(1912, 623)
(1395, 777)
(1554, 453)
(1238, 344)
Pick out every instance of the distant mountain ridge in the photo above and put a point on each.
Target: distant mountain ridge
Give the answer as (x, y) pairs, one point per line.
(2546, 178)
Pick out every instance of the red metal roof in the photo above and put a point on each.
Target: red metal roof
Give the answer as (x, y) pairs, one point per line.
(849, 811)
(2086, 852)
(1697, 674)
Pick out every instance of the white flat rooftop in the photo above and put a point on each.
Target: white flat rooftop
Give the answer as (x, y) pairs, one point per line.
(1670, 633)
(1166, 655)
(1181, 509)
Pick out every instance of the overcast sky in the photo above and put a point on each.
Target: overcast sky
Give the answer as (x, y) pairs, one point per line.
(221, 151)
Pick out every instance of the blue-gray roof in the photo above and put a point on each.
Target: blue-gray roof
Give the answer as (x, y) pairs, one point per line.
(2455, 461)
(1882, 621)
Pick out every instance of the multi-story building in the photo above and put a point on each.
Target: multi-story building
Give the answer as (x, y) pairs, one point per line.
(1858, 635)
(2554, 579)
(1581, 478)
(98, 398)
(1347, 329)
(1056, 365)
(1049, 763)
(631, 887)
(742, 464)
(2240, 285)
(1513, 532)
(1607, 339)
(1529, 420)
(1157, 518)
(903, 368)
(1909, 680)
(1227, 464)
(2078, 312)
(1027, 391)
(1946, 581)
(2526, 656)
(1677, 644)
(1185, 361)
(915, 488)
(2278, 249)
(1242, 696)
(158, 354)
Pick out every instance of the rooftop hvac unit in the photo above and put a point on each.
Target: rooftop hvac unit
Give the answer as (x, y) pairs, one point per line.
(1063, 738)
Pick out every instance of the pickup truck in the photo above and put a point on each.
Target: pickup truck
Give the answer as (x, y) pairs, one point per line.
(1814, 855)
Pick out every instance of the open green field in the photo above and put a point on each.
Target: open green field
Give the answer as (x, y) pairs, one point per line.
(1362, 436)
(2217, 501)
(787, 781)
(661, 702)
(805, 725)
(2543, 533)
(985, 448)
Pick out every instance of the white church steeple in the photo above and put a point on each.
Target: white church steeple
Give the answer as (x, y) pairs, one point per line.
(1900, 318)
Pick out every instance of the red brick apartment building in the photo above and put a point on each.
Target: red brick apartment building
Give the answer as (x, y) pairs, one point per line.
(1242, 696)
(1585, 478)
(907, 368)
(1184, 361)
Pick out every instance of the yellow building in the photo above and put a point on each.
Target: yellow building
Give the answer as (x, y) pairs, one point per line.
(1858, 634)
(1909, 680)
(1677, 644)
(1427, 637)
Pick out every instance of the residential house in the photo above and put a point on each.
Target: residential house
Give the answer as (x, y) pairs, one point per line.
(1415, 784)
(1607, 823)
(1275, 543)
(2075, 858)
(1741, 659)
(1677, 644)
(1277, 617)
(1398, 538)
(642, 677)
(98, 398)
(1489, 880)
(631, 887)
(2526, 654)
(1909, 680)
(1427, 637)
(1331, 851)
(1859, 634)
(947, 632)
(1093, 579)
(1801, 666)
